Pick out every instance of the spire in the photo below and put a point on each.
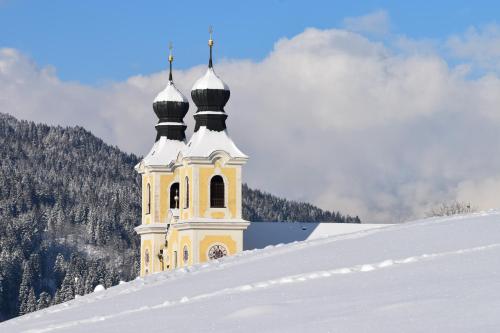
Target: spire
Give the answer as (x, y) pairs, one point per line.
(170, 106)
(170, 60)
(210, 94)
(210, 45)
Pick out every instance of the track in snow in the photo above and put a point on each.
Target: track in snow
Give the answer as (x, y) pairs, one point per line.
(298, 278)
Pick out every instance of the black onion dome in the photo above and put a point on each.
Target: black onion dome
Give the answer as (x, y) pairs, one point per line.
(210, 94)
(171, 107)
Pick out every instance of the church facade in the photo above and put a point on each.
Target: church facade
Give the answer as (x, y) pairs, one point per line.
(191, 191)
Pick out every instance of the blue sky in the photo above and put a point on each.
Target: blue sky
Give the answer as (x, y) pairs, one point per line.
(99, 41)
(390, 96)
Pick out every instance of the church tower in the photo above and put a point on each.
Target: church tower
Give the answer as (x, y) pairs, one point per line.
(196, 206)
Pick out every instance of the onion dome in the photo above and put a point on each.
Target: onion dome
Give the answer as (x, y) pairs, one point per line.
(210, 94)
(171, 106)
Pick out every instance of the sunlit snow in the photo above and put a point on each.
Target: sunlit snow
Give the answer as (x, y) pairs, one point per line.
(434, 275)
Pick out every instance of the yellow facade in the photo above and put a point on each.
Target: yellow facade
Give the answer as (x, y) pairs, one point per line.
(166, 180)
(146, 250)
(170, 235)
(208, 241)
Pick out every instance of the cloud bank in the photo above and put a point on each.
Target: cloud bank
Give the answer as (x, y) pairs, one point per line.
(375, 23)
(329, 116)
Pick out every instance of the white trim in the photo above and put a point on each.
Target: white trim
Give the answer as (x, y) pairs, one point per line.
(212, 224)
(156, 192)
(196, 193)
(153, 228)
(159, 168)
(210, 112)
(239, 194)
(171, 123)
(215, 155)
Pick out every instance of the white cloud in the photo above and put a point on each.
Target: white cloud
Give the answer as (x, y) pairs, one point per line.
(375, 23)
(329, 117)
(478, 45)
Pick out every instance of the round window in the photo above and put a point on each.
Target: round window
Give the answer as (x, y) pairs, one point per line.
(217, 251)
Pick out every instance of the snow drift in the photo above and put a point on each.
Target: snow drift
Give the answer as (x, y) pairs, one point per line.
(434, 275)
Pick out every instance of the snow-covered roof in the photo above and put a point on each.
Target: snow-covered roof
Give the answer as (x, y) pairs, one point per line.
(163, 152)
(170, 94)
(204, 142)
(210, 81)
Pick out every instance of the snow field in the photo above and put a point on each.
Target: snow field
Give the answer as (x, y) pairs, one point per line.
(435, 275)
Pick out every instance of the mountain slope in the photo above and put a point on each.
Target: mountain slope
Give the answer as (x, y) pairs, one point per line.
(68, 206)
(434, 275)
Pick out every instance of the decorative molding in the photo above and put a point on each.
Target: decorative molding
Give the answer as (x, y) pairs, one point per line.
(211, 224)
(153, 228)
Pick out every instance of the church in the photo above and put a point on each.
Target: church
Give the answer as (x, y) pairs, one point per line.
(191, 191)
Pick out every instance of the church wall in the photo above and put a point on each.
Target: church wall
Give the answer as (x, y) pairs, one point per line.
(147, 179)
(186, 212)
(229, 174)
(186, 240)
(173, 245)
(166, 180)
(158, 244)
(146, 245)
(231, 239)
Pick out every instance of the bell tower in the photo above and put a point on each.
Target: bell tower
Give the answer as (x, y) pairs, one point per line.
(192, 193)
(211, 180)
(160, 181)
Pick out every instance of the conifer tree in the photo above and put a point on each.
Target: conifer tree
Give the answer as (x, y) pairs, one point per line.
(44, 300)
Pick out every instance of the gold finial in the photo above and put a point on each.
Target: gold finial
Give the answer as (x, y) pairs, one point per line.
(210, 45)
(170, 59)
(210, 31)
(170, 56)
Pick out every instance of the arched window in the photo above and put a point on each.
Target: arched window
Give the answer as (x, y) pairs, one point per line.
(217, 192)
(187, 193)
(146, 261)
(185, 254)
(148, 202)
(174, 195)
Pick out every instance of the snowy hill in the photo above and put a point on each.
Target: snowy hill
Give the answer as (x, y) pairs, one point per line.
(434, 275)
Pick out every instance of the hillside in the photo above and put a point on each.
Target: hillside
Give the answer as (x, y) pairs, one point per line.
(434, 275)
(68, 206)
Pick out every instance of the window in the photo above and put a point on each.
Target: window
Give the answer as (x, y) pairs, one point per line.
(148, 207)
(217, 192)
(185, 254)
(174, 195)
(187, 193)
(217, 251)
(146, 261)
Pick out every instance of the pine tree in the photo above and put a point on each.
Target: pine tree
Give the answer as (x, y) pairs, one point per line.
(44, 300)
(25, 289)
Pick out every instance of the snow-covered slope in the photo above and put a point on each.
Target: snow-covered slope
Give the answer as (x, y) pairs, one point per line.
(435, 275)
